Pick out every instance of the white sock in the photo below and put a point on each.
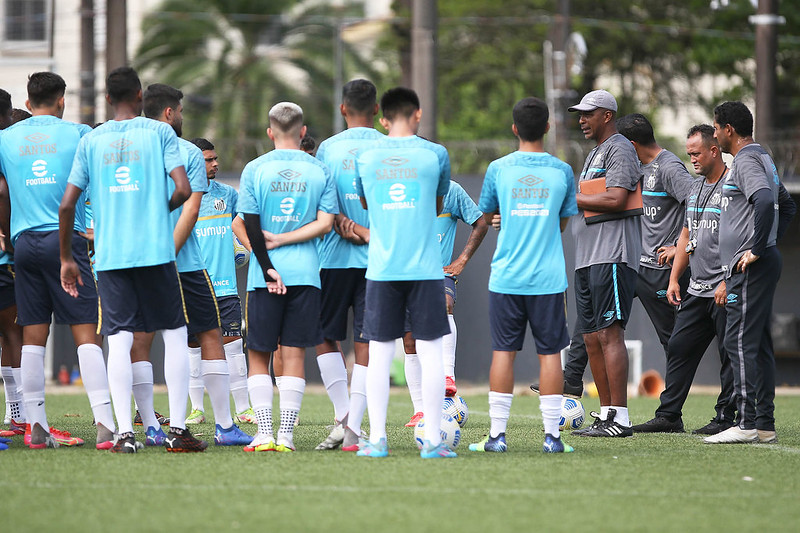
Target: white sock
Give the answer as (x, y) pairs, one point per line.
(449, 348)
(237, 369)
(291, 397)
(550, 406)
(176, 374)
(430, 358)
(603, 412)
(358, 398)
(260, 387)
(95, 382)
(33, 384)
(120, 378)
(278, 381)
(218, 385)
(13, 398)
(334, 377)
(621, 417)
(18, 380)
(499, 411)
(142, 372)
(414, 380)
(381, 354)
(196, 393)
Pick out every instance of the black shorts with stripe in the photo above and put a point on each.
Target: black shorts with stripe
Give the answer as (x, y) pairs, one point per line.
(201, 304)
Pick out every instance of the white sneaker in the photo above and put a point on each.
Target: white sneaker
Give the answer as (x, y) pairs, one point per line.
(334, 440)
(767, 437)
(733, 435)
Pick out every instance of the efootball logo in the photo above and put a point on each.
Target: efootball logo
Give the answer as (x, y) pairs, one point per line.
(39, 168)
(287, 206)
(397, 192)
(219, 204)
(289, 174)
(37, 138)
(123, 175)
(395, 161)
(121, 144)
(530, 180)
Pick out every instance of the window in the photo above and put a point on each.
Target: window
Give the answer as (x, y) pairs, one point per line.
(26, 20)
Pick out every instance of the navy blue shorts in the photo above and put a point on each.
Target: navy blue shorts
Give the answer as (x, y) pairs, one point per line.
(450, 283)
(37, 281)
(388, 302)
(343, 288)
(604, 295)
(200, 301)
(546, 313)
(290, 319)
(140, 299)
(230, 317)
(7, 297)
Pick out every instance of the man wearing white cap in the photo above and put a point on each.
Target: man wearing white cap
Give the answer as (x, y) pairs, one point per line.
(607, 252)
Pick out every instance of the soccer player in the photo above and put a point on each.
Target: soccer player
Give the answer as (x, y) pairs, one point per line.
(607, 258)
(290, 197)
(748, 227)
(457, 205)
(402, 180)
(535, 195)
(216, 225)
(127, 163)
(343, 267)
(36, 158)
(163, 103)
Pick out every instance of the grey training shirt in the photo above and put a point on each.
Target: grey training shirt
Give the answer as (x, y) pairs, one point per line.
(702, 221)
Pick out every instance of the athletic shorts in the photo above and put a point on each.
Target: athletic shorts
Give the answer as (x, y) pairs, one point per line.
(37, 281)
(388, 302)
(450, 283)
(343, 288)
(546, 314)
(200, 301)
(140, 299)
(7, 297)
(290, 319)
(230, 317)
(604, 295)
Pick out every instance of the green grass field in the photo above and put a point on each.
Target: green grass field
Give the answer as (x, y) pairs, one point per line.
(643, 483)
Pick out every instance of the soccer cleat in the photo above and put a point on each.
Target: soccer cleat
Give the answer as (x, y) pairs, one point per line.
(570, 391)
(440, 451)
(712, 428)
(233, 436)
(261, 443)
(607, 428)
(554, 445)
(163, 420)
(594, 426)
(733, 435)
(65, 438)
(14, 428)
(3, 446)
(414, 419)
(62, 438)
(126, 443)
(368, 449)
(4, 440)
(334, 440)
(490, 444)
(350, 442)
(450, 388)
(284, 443)
(154, 437)
(181, 440)
(245, 417)
(105, 438)
(660, 424)
(766, 436)
(196, 417)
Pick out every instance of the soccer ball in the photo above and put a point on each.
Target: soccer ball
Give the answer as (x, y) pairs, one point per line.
(457, 408)
(572, 414)
(240, 254)
(451, 433)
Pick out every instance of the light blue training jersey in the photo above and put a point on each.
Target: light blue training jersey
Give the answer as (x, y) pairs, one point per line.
(401, 177)
(189, 258)
(123, 163)
(532, 191)
(36, 157)
(215, 236)
(457, 205)
(287, 188)
(339, 153)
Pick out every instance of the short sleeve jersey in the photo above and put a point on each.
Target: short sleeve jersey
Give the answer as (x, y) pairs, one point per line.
(339, 153)
(751, 171)
(613, 241)
(457, 205)
(287, 188)
(400, 177)
(532, 191)
(702, 221)
(36, 157)
(125, 164)
(665, 185)
(189, 258)
(215, 236)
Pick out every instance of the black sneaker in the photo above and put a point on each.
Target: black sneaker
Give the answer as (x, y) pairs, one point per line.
(608, 428)
(570, 391)
(180, 440)
(712, 428)
(126, 443)
(595, 425)
(163, 420)
(660, 424)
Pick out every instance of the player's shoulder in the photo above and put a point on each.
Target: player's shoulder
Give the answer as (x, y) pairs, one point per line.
(618, 144)
(192, 149)
(353, 134)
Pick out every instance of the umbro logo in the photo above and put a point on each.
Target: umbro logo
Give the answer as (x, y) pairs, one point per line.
(530, 180)
(289, 174)
(733, 298)
(662, 293)
(395, 161)
(37, 138)
(121, 144)
(354, 151)
(608, 315)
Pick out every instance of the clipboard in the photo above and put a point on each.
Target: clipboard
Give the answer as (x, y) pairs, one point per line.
(633, 205)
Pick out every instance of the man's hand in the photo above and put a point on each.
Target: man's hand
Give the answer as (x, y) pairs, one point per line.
(665, 255)
(275, 286)
(748, 258)
(674, 293)
(721, 295)
(70, 277)
(496, 221)
(456, 267)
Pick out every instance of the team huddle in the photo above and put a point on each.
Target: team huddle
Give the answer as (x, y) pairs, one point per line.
(121, 231)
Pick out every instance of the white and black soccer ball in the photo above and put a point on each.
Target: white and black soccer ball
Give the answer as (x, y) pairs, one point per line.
(450, 431)
(457, 408)
(572, 414)
(240, 254)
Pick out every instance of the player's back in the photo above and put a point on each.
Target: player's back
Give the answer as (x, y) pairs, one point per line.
(215, 236)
